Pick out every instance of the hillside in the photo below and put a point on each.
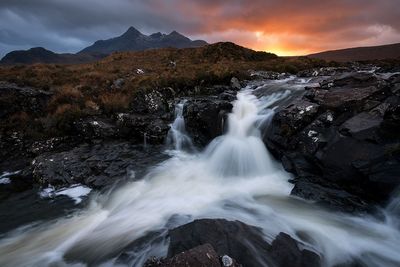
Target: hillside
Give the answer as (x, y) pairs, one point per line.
(113, 83)
(42, 55)
(391, 51)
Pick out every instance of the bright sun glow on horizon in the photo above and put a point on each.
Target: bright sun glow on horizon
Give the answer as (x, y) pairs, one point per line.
(286, 53)
(271, 43)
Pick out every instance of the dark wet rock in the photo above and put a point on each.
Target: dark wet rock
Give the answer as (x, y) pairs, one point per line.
(31, 208)
(344, 148)
(290, 121)
(14, 98)
(345, 98)
(127, 126)
(285, 252)
(94, 127)
(205, 118)
(242, 242)
(95, 165)
(361, 126)
(340, 155)
(354, 79)
(228, 96)
(200, 256)
(139, 127)
(153, 101)
(329, 195)
(390, 127)
(16, 182)
(13, 153)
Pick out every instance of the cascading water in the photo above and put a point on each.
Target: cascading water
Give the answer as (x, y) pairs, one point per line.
(177, 137)
(241, 151)
(234, 178)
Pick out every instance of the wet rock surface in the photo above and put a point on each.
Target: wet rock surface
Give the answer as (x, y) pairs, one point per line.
(205, 118)
(96, 165)
(241, 242)
(341, 140)
(31, 208)
(200, 256)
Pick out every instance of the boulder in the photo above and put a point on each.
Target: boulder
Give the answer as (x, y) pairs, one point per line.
(242, 242)
(354, 79)
(205, 117)
(346, 98)
(200, 256)
(288, 122)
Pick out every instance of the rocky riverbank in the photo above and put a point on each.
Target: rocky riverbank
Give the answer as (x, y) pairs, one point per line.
(338, 136)
(341, 140)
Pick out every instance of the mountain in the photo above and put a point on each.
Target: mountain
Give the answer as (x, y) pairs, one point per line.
(134, 40)
(42, 55)
(131, 40)
(391, 51)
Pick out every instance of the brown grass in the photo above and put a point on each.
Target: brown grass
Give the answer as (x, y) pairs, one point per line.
(114, 102)
(84, 89)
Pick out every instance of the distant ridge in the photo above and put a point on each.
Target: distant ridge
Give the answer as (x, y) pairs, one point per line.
(42, 55)
(391, 51)
(131, 40)
(134, 40)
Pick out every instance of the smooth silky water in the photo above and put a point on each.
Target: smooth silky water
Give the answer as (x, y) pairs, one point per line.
(235, 178)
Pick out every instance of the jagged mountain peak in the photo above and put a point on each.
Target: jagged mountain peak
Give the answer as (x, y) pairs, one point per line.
(132, 31)
(134, 40)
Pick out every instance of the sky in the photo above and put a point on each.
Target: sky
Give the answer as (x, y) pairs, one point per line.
(284, 27)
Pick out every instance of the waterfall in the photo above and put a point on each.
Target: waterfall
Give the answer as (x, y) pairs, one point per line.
(234, 178)
(177, 137)
(241, 152)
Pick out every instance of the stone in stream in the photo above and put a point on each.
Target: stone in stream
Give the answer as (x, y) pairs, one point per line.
(205, 117)
(200, 256)
(241, 242)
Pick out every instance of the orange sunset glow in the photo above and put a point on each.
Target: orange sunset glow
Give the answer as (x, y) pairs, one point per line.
(281, 26)
(296, 27)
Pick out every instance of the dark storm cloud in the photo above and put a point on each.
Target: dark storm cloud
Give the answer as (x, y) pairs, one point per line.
(279, 25)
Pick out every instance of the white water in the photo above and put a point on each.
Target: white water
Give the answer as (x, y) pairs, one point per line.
(178, 138)
(234, 178)
(76, 192)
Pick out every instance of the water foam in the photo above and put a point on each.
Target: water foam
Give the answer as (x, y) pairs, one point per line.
(234, 178)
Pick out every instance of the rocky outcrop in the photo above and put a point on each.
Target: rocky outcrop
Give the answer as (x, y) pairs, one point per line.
(205, 118)
(341, 140)
(242, 242)
(14, 98)
(95, 165)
